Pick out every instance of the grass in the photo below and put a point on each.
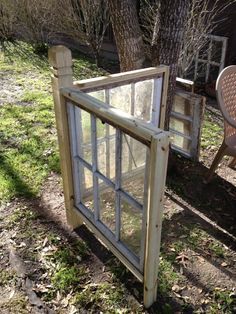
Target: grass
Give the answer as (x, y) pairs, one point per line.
(20, 215)
(6, 276)
(212, 133)
(103, 297)
(193, 237)
(167, 276)
(18, 305)
(28, 151)
(65, 278)
(224, 301)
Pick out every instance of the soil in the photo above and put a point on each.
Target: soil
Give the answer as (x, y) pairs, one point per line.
(189, 203)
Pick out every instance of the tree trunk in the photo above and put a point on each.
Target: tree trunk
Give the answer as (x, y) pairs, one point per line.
(173, 16)
(127, 34)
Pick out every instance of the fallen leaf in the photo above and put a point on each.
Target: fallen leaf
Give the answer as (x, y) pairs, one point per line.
(22, 244)
(45, 241)
(11, 294)
(182, 258)
(175, 288)
(73, 310)
(177, 295)
(79, 258)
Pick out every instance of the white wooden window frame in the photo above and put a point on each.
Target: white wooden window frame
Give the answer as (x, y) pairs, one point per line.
(208, 61)
(66, 96)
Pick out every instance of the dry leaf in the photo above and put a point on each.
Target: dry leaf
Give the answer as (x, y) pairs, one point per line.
(11, 294)
(175, 288)
(177, 295)
(45, 241)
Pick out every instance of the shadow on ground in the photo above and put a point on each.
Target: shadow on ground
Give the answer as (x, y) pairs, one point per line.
(212, 207)
(214, 204)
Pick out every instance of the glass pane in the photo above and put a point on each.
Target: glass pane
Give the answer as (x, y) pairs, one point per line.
(134, 185)
(216, 51)
(86, 127)
(182, 106)
(86, 186)
(180, 142)
(143, 99)
(181, 126)
(100, 95)
(133, 163)
(112, 156)
(203, 52)
(83, 127)
(120, 97)
(201, 72)
(133, 154)
(106, 149)
(101, 129)
(107, 205)
(131, 227)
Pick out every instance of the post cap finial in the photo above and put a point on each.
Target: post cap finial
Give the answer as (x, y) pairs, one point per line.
(59, 57)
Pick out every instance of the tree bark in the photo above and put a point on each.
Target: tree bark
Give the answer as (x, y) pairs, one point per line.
(173, 16)
(127, 33)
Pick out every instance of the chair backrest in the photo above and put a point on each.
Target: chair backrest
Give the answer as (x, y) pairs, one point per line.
(226, 97)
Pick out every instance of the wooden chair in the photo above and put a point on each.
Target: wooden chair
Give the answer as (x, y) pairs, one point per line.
(226, 98)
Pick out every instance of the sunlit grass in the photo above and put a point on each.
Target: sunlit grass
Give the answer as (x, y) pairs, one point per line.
(28, 147)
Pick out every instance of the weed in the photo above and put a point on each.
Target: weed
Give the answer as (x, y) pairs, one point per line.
(119, 271)
(167, 276)
(53, 238)
(21, 214)
(81, 248)
(212, 133)
(17, 304)
(178, 246)
(224, 302)
(65, 278)
(167, 309)
(102, 297)
(6, 276)
(217, 249)
(64, 256)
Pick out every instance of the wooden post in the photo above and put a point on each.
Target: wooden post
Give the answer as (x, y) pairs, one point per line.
(61, 62)
(157, 174)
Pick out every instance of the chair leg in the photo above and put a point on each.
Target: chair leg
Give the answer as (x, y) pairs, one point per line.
(216, 161)
(232, 163)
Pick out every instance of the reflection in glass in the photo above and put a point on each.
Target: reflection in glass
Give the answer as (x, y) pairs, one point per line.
(107, 205)
(131, 227)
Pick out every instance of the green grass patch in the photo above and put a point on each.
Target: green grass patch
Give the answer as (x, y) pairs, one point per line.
(167, 276)
(224, 301)
(28, 150)
(21, 214)
(18, 304)
(65, 278)
(6, 276)
(212, 133)
(65, 256)
(104, 297)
